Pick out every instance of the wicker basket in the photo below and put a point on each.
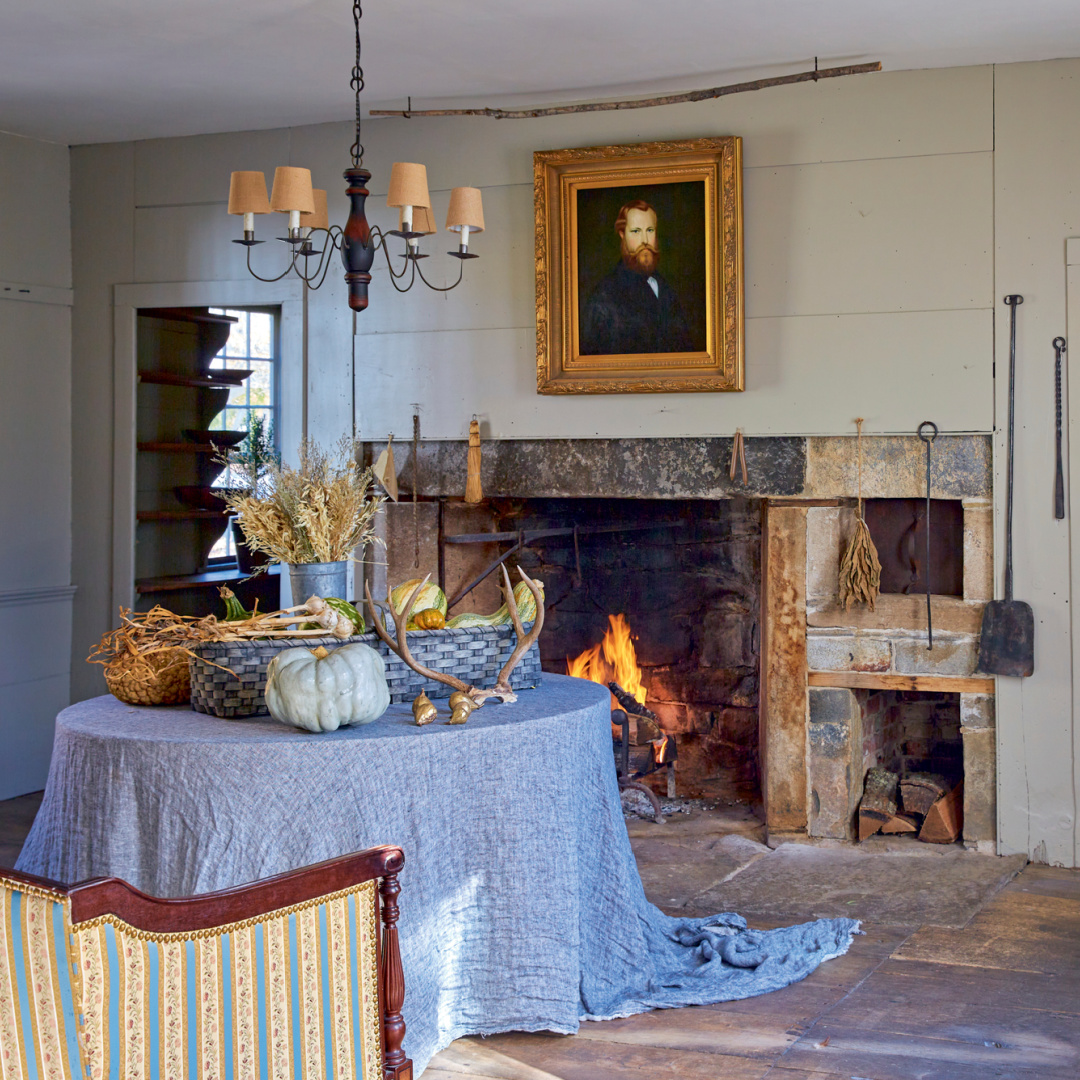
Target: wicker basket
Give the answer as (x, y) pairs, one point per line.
(475, 656)
(159, 678)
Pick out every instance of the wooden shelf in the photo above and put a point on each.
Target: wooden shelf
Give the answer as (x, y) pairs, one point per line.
(864, 680)
(220, 379)
(179, 447)
(186, 315)
(182, 515)
(195, 581)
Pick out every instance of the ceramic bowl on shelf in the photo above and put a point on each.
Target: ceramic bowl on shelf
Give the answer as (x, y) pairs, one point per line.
(222, 439)
(197, 497)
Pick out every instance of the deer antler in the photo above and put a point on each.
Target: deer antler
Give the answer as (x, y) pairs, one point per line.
(502, 689)
(401, 645)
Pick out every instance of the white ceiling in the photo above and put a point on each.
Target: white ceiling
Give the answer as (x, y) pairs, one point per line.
(77, 71)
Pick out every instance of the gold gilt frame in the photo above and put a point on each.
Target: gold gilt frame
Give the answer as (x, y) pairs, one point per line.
(558, 178)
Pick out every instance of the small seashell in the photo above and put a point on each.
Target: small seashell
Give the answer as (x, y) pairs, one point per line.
(457, 697)
(423, 710)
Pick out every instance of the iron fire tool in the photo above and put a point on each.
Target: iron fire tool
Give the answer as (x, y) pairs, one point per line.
(1007, 639)
(1059, 479)
(928, 439)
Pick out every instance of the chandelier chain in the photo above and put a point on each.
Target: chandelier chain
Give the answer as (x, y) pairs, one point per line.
(357, 84)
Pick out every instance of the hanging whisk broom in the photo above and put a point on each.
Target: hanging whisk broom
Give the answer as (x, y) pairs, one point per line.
(860, 568)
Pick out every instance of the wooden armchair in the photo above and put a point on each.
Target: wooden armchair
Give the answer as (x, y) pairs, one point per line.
(283, 978)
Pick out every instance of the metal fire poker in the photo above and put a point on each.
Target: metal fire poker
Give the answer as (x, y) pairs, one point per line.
(928, 439)
(1059, 480)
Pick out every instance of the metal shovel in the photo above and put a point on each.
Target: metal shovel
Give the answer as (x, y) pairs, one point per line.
(1007, 644)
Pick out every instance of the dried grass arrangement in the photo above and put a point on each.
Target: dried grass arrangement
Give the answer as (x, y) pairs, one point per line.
(860, 568)
(320, 511)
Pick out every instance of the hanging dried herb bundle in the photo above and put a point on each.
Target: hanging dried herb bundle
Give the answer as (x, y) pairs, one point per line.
(860, 568)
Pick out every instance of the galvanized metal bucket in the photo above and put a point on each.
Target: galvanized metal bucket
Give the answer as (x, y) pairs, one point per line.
(318, 579)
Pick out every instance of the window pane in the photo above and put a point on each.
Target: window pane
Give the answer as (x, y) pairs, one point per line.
(237, 344)
(260, 385)
(262, 328)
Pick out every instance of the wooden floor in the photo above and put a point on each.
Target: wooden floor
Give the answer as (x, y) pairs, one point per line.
(996, 998)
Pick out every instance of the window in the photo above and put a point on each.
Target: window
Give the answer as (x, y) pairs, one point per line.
(253, 345)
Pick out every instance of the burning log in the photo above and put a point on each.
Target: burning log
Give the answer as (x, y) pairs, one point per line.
(631, 703)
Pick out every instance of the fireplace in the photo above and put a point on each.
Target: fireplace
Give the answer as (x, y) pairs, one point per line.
(730, 591)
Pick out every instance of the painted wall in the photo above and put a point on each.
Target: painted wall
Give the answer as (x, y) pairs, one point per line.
(1036, 208)
(35, 456)
(884, 216)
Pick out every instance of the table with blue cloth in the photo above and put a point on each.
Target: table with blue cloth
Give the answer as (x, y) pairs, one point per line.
(521, 904)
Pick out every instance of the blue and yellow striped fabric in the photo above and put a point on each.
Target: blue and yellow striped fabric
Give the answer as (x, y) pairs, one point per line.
(38, 1033)
(289, 996)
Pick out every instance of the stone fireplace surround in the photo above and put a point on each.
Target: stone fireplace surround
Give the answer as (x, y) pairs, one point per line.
(819, 664)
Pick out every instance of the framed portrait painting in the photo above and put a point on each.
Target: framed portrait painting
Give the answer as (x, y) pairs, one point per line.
(639, 267)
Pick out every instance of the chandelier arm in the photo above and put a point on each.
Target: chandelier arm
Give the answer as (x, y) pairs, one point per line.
(329, 246)
(324, 262)
(442, 288)
(381, 243)
(394, 277)
(270, 280)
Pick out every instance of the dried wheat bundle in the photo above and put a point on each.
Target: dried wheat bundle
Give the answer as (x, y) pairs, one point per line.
(319, 511)
(860, 568)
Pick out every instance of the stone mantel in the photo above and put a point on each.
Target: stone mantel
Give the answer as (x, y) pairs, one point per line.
(793, 466)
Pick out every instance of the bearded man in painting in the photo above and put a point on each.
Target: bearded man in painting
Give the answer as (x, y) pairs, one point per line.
(634, 309)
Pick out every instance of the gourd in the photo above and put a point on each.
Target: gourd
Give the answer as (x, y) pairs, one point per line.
(429, 619)
(526, 605)
(430, 596)
(322, 690)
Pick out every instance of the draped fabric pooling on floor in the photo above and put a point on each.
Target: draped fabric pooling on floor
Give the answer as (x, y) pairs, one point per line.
(521, 906)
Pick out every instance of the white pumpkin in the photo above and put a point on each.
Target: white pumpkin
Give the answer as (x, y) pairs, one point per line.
(324, 692)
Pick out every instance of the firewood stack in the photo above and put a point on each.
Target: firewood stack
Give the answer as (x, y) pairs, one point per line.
(924, 803)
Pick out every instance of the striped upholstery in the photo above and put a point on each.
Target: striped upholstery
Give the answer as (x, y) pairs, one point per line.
(292, 994)
(38, 1034)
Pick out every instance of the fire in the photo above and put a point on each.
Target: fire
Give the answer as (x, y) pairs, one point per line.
(614, 659)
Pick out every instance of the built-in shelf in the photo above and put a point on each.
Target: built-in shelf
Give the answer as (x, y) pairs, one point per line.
(195, 581)
(182, 515)
(866, 680)
(187, 315)
(219, 379)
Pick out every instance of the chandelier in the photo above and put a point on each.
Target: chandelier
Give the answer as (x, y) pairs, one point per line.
(309, 221)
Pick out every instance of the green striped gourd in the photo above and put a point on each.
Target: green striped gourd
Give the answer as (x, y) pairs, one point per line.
(526, 605)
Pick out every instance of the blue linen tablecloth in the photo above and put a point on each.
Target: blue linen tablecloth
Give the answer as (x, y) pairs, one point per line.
(521, 904)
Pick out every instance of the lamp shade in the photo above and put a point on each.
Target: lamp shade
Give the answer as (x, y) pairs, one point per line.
(247, 193)
(408, 185)
(321, 218)
(292, 190)
(465, 209)
(423, 220)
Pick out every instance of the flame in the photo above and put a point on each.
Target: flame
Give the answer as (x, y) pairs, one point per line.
(659, 747)
(614, 659)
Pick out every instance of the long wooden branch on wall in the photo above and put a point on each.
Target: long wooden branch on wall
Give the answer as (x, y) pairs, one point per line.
(642, 103)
